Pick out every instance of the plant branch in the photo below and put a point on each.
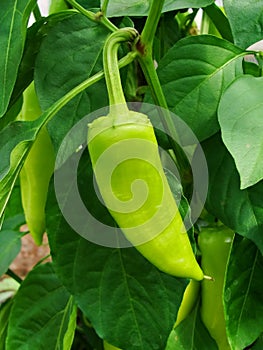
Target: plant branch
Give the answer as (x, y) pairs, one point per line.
(37, 13)
(144, 48)
(48, 114)
(14, 276)
(104, 6)
(95, 17)
(100, 17)
(152, 78)
(151, 24)
(89, 14)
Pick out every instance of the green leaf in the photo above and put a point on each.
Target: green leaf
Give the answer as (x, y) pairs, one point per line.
(247, 24)
(243, 294)
(118, 8)
(258, 345)
(14, 17)
(191, 334)
(15, 140)
(42, 313)
(240, 118)
(128, 301)
(78, 43)
(14, 213)
(11, 113)
(193, 75)
(220, 21)
(35, 34)
(5, 310)
(240, 210)
(167, 34)
(10, 243)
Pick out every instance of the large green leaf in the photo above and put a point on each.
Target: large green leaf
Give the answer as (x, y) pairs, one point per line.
(193, 75)
(5, 310)
(243, 294)
(246, 24)
(118, 8)
(10, 243)
(14, 17)
(129, 302)
(191, 334)
(241, 210)
(240, 118)
(70, 53)
(42, 313)
(35, 34)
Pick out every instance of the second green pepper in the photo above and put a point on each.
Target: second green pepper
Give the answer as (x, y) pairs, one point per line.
(215, 244)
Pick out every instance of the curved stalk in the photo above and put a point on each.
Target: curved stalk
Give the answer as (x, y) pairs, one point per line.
(47, 115)
(111, 69)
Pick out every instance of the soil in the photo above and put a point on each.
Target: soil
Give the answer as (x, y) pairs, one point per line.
(30, 254)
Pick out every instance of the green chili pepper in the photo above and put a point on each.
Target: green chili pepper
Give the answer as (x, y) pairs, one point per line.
(215, 244)
(57, 5)
(131, 180)
(108, 346)
(189, 300)
(37, 170)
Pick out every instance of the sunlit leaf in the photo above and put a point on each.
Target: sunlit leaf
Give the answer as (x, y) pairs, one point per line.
(240, 118)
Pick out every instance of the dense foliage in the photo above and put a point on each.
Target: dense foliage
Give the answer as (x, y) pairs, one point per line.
(92, 294)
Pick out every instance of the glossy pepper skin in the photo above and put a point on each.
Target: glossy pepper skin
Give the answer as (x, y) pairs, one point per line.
(215, 244)
(108, 346)
(132, 183)
(36, 171)
(57, 5)
(189, 300)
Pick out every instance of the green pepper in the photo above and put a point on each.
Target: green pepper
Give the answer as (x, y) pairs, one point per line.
(57, 6)
(215, 244)
(108, 346)
(129, 173)
(188, 302)
(36, 171)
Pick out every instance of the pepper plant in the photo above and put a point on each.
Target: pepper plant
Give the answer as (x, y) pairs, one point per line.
(155, 220)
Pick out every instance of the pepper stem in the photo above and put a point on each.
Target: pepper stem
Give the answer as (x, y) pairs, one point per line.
(208, 278)
(111, 70)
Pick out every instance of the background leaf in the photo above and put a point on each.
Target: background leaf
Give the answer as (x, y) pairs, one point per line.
(240, 118)
(10, 243)
(193, 75)
(5, 310)
(78, 43)
(220, 21)
(35, 34)
(14, 17)
(247, 24)
(129, 302)
(240, 210)
(141, 8)
(243, 296)
(41, 313)
(258, 343)
(15, 140)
